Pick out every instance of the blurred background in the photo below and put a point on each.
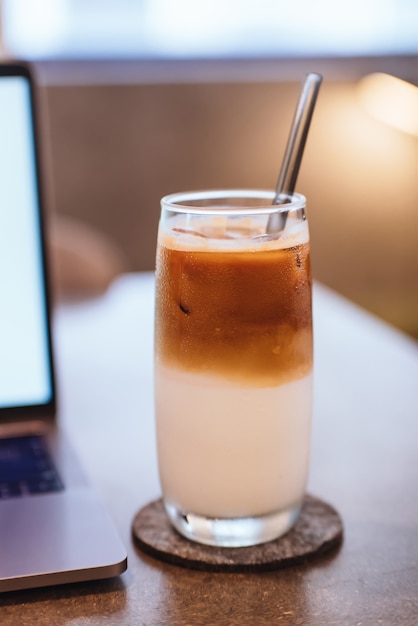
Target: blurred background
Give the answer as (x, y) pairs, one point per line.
(147, 97)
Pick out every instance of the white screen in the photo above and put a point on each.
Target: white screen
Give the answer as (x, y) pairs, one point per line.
(24, 364)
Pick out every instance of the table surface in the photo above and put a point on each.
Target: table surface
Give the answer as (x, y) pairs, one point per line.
(364, 462)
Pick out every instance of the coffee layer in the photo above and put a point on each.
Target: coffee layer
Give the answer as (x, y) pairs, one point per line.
(244, 315)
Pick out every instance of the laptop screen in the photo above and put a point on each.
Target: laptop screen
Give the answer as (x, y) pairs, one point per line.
(25, 366)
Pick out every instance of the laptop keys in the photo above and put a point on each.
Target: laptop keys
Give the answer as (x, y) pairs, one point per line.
(26, 467)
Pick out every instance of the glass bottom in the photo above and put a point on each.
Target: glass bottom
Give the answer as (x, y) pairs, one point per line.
(232, 532)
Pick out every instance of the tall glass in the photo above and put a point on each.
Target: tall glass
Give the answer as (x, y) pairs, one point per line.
(233, 364)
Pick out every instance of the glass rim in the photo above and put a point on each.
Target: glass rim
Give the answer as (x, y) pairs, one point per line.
(175, 202)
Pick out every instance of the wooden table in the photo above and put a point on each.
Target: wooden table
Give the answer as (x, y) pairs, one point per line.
(364, 462)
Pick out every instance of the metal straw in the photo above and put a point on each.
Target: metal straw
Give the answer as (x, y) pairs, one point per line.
(294, 150)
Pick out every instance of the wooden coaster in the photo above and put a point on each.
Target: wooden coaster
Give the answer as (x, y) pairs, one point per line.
(318, 530)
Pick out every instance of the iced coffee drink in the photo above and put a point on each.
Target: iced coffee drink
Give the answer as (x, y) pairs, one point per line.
(233, 365)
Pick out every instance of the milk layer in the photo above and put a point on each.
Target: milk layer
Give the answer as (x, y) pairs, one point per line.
(227, 450)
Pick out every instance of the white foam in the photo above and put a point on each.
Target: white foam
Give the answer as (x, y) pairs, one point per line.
(218, 233)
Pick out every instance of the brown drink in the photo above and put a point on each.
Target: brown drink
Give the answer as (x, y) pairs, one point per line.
(238, 315)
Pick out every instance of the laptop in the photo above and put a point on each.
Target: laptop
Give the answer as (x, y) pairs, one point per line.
(53, 528)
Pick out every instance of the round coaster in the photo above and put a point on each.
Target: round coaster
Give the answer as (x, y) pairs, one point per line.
(318, 529)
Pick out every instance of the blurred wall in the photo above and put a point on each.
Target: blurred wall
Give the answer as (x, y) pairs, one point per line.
(116, 149)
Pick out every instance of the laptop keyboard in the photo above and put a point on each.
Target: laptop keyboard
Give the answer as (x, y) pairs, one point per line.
(26, 467)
